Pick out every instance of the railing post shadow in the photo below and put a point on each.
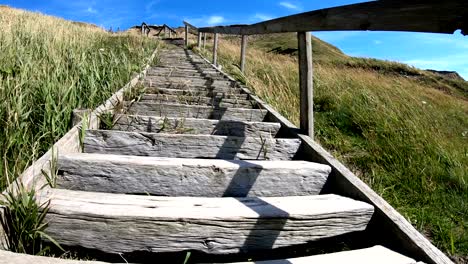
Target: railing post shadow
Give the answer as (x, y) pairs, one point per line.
(306, 83)
(215, 49)
(243, 51)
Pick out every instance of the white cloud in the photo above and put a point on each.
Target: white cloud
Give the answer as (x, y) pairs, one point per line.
(447, 63)
(91, 10)
(377, 42)
(149, 6)
(289, 5)
(214, 20)
(261, 17)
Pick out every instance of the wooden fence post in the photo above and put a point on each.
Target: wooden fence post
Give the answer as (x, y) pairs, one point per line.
(204, 40)
(186, 36)
(243, 50)
(306, 83)
(199, 40)
(215, 49)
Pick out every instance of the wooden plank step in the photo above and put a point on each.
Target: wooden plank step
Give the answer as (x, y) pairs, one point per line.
(198, 100)
(189, 146)
(186, 76)
(195, 126)
(189, 81)
(150, 87)
(195, 111)
(7, 257)
(373, 255)
(119, 223)
(196, 92)
(189, 177)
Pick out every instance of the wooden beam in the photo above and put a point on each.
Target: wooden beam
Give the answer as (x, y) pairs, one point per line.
(215, 49)
(395, 15)
(306, 83)
(204, 40)
(186, 36)
(243, 50)
(199, 40)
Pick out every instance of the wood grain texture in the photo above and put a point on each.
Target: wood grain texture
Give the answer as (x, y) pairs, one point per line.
(198, 100)
(189, 146)
(344, 182)
(117, 223)
(373, 255)
(414, 16)
(195, 126)
(190, 80)
(7, 257)
(189, 177)
(306, 83)
(197, 92)
(195, 111)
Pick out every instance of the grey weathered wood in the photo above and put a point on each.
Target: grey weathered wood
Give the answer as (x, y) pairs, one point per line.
(7, 257)
(306, 83)
(186, 36)
(185, 81)
(118, 223)
(189, 177)
(416, 16)
(79, 114)
(189, 146)
(195, 111)
(373, 255)
(215, 49)
(243, 52)
(197, 92)
(198, 100)
(195, 126)
(204, 40)
(199, 40)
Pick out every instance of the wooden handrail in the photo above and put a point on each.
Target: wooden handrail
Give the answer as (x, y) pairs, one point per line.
(385, 15)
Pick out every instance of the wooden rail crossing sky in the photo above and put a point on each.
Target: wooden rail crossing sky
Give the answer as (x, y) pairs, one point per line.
(195, 162)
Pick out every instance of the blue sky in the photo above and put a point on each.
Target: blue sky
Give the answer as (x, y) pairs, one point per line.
(434, 51)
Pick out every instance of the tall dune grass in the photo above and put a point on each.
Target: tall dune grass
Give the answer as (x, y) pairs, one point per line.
(407, 139)
(48, 67)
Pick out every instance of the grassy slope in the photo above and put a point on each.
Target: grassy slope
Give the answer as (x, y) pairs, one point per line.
(48, 67)
(402, 130)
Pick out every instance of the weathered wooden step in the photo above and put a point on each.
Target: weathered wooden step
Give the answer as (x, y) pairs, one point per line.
(189, 146)
(7, 257)
(186, 76)
(196, 92)
(198, 100)
(195, 126)
(373, 255)
(152, 87)
(119, 223)
(189, 177)
(188, 81)
(195, 111)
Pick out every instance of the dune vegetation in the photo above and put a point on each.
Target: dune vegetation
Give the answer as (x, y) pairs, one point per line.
(402, 130)
(50, 66)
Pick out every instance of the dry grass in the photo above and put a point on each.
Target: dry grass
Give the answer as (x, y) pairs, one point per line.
(48, 67)
(403, 135)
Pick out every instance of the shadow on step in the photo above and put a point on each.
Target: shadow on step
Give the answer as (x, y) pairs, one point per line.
(350, 241)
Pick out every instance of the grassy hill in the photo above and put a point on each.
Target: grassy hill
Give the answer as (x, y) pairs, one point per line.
(404, 131)
(48, 67)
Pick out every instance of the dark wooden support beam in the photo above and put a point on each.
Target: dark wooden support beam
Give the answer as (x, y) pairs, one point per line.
(215, 49)
(306, 83)
(243, 51)
(204, 40)
(384, 15)
(186, 35)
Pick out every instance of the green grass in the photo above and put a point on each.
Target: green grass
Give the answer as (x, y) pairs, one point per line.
(49, 67)
(402, 130)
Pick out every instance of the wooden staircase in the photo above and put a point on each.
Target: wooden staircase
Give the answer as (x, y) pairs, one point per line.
(195, 166)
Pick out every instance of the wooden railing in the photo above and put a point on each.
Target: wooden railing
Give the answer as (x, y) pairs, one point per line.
(385, 15)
